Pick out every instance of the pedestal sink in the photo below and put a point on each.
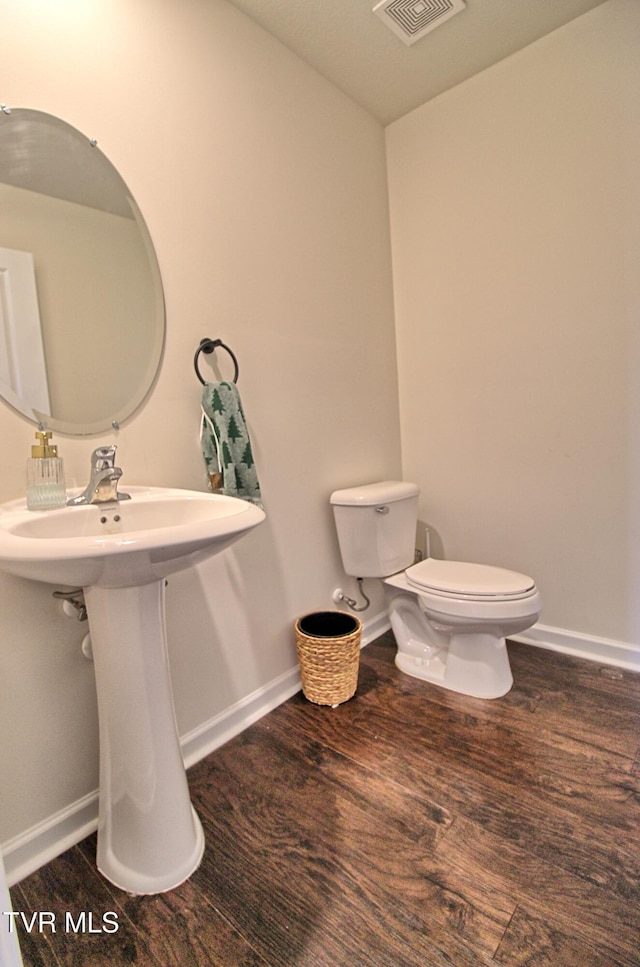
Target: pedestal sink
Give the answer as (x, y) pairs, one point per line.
(149, 837)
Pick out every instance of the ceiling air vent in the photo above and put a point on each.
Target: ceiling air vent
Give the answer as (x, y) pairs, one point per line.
(412, 19)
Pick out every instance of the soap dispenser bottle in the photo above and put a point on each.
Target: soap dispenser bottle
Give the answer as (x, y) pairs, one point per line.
(45, 475)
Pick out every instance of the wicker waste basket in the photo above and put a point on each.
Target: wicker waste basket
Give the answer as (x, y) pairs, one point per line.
(328, 645)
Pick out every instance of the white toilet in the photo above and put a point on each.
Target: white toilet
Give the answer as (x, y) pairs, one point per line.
(449, 618)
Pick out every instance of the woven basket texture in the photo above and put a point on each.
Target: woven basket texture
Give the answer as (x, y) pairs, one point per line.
(329, 666)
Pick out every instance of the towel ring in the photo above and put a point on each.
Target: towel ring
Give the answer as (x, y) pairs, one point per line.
(207, 346)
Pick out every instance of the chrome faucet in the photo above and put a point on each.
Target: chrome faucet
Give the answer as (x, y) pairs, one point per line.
(103, 482)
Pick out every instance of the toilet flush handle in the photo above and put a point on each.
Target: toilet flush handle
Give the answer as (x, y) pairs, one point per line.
(382, 510)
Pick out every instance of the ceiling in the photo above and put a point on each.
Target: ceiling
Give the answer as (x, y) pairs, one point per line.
(351, 47)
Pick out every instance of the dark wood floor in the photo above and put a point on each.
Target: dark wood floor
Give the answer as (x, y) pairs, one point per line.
(409, 826)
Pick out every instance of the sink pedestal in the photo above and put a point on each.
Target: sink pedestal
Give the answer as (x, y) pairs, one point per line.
(149, 836)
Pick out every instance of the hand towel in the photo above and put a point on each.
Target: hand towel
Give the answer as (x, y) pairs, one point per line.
(226, 446)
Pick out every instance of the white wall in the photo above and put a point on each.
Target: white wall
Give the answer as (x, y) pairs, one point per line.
(264, 190)
(515, 216)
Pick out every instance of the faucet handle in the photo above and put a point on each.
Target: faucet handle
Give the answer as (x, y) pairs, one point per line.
(103, 458)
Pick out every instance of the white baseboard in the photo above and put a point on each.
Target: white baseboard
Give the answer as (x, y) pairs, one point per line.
(209, 736)
(374, 627)
(212, 734)
(36, 846)
(604, 650)
(27, 852)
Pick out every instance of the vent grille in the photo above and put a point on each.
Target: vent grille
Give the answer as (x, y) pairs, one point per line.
(412, 19)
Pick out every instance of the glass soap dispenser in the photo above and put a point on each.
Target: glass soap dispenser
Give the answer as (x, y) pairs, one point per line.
(45, 475)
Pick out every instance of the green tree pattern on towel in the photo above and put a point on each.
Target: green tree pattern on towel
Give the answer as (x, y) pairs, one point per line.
(216, 403)
(232, 429)
(247, 456)
(226, 446)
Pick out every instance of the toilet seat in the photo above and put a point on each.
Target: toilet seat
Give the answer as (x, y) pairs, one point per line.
(472, 582)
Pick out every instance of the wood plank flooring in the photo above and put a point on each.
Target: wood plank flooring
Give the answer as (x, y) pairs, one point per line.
(409, 827)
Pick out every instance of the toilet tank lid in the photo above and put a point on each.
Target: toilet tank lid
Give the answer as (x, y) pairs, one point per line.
(369, 495)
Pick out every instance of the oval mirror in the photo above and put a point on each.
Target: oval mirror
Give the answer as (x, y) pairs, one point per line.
(81, 305)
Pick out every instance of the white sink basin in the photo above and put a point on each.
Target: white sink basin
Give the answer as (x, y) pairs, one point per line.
(125, 544)
(149, 837)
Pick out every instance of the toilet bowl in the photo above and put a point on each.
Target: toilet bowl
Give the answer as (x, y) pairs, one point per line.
(449, 618)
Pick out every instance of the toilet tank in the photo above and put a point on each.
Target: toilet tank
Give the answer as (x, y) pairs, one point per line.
(376, 526)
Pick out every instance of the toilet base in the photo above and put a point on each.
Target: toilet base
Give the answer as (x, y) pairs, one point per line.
(475, 665)
(468, 657)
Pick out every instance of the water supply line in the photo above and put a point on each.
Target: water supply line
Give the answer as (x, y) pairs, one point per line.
(340, 597)
(73, 603)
